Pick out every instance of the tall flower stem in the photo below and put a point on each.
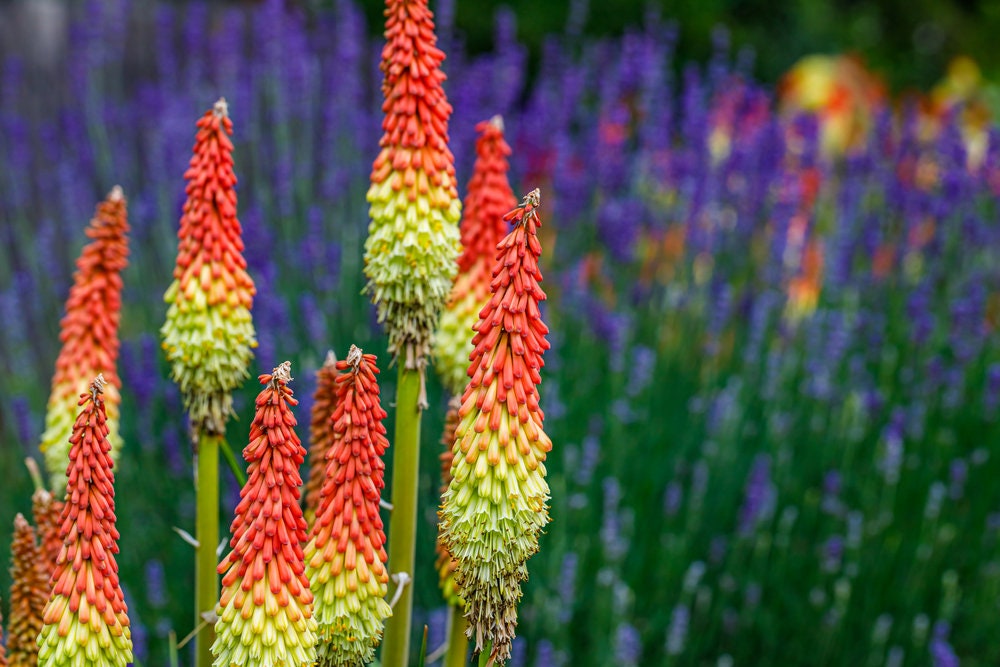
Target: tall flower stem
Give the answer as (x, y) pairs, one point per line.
(458, 642)
(403, 523)
(206, 578)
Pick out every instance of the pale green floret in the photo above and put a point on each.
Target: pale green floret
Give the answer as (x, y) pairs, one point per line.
(350, 622)
(410, 257)
(491, 518)
(268, 638)
(209, 350)
(94, 644)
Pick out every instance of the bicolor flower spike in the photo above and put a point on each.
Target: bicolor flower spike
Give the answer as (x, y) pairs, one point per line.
(29, 591)
(46, 511)
(496, 504)
(489, 198)
(320, 432)
(345, 556)
(85, 619)
(208, 335)
(414, 208)
(265, 610)
(89, 334)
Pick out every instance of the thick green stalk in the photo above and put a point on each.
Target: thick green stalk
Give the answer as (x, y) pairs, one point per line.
(484, 655)
(458, 643)
(403, 521)
(206, 578)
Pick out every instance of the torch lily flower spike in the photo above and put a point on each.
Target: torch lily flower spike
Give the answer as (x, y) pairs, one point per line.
(496, 504)
(29, 591)
(345, 556)
(320, 432)
(208, 335)
(47, 511)
(489, 198)
(265, 610)
(85, 619)
(89, 334)
(414, 208)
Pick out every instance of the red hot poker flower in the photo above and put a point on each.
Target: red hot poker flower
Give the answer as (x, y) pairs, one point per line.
(496, 504)
(86, 618)
(320, 432)
(346, 552)
(29, 591)
(489, 198)
(89, 334)
(265, 611)
(47, 511)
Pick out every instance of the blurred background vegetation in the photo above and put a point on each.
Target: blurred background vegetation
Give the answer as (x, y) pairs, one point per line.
(908, 42)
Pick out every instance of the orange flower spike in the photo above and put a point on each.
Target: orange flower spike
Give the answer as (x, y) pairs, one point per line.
(85, 619)
(89, 334)
(47, 511)
(413, 236)
(29, 591)
(497, 502)
(208, 335)
(489, 198)
(320, 432)
(265, 609)
(345, 556)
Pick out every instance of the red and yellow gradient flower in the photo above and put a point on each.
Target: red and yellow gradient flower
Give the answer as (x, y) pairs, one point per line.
(320, 432)
(841, 91)
(86, 621)
(29, 591)
(345, 556)
(489, 198)
(47, 511)
(208, 335)
(496, 504)
(265, 610)
(89, 334)
(413, 236)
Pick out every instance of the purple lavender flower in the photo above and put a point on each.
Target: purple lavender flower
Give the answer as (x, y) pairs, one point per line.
(759, 498)
(628, 645)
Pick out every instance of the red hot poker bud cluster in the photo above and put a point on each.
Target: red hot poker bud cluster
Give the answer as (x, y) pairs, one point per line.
(320, 432)
(265, 610)
(483, 227)
(29, 591)
(86, 618)
(47, 511)
(496, 504)
(414, 208)
(208, 334)
(89, 334)
(345, 557)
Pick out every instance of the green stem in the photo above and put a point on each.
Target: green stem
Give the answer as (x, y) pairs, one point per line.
(484, 655)
(458, 643)
(234, 464)
(206, 578)
(403, 521)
